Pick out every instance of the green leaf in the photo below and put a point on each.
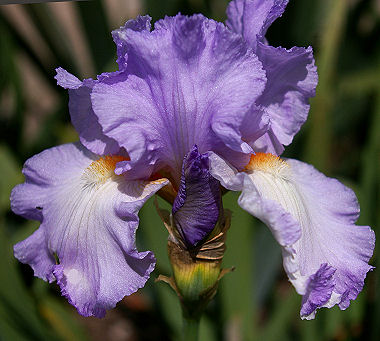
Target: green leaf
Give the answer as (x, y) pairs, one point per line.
(237, 288)
(319, 122)
(18, 312)
(286, 310)
(152, 235)
(61, 319)
(10, 176)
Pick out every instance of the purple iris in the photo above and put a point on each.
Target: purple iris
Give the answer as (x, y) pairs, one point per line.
(189, 81)
(197, 206)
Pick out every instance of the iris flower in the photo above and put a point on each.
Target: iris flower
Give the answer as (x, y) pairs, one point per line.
(192, 97)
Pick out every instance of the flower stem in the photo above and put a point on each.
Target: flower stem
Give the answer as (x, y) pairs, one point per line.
(190, 328)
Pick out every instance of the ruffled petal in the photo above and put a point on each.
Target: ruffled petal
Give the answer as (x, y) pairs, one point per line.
(89, 218)
(190, 81)
(141, 23)
(33, 251)
(292, 79)
(281, 223)
(291, 74)
(251, 18)
(313, 218)
(82, 115)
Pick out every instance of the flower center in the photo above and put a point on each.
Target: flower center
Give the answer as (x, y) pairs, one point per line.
(268, 163)
(102, 169)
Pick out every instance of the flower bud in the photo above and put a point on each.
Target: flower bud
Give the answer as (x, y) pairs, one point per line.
(197, 231)
(198, 205)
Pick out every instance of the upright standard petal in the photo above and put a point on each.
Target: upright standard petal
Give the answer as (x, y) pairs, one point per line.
(198, 193)
(82, 115)
(313, 218)
(292, 79)
(251, 18)
(141, 23)
(190, 81)
(81, 112)
(291, 74)
(86, 240)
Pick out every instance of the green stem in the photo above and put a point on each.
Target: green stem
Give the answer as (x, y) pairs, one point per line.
(190, 329)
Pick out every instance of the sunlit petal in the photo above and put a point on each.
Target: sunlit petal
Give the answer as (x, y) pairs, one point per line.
(89, 218)
(313, 218)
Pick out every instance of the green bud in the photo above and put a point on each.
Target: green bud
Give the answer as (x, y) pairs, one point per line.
(196, 271)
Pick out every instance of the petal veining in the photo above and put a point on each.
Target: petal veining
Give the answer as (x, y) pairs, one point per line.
(88, 220)
(189, 81)
(313, 218)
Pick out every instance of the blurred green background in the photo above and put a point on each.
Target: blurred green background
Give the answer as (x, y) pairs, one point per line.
(256, 302)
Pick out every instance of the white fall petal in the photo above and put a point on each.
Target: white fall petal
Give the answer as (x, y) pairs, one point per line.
(88, 217)
(313, 218)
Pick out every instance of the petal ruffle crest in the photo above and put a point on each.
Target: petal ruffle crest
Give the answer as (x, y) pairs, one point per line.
(82, 114)
(252, 18)
(89, 218)
(313, 218)
(190, 81)
(291, 74)
(141, 23)
(292, 79)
